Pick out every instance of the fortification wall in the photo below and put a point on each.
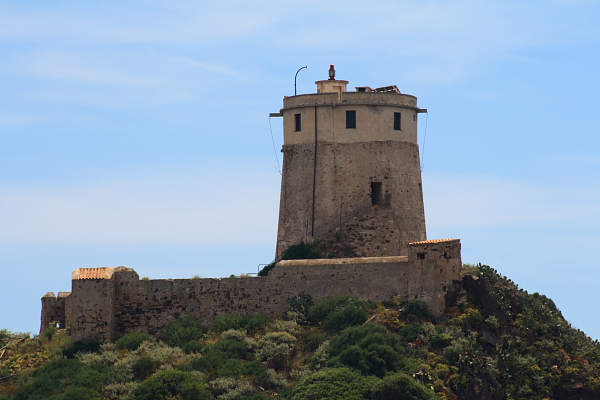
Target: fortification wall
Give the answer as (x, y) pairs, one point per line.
(344, 173)
(55, 309)
(107, 308)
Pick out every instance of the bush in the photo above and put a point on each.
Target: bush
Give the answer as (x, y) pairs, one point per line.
(369, 349)
(233, 321)
(346, 317)
(320, 311)
(275, 346)
(334, 384)
(76, 393)
(417, 310)
(171, 384)
(267, 268)
(210, 361)
(183, 330)
(132, 340)
(142, 367)
(49, 333)
(300, 305)
(313, 341)
(58, 375)
(193, 346)
(302, 251)
(411, 332)
(232, 348)
(82, 346)
(401, 387)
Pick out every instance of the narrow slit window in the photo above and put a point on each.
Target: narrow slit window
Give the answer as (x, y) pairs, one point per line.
(397, 121)
(298, 122)
(351, 119)
(376, 193)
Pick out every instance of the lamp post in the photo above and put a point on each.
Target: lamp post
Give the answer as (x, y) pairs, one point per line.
(295, 79)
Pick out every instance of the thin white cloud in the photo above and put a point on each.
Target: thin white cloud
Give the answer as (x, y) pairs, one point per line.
(208, 67)
(71, 67)
(207, 210)
(491, 201)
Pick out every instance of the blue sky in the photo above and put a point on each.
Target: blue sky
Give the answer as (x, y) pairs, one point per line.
(136, 133)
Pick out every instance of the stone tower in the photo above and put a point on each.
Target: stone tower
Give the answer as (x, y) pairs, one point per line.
(351, 168)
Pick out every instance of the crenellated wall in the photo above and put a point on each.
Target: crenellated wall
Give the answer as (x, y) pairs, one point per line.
(107, 303)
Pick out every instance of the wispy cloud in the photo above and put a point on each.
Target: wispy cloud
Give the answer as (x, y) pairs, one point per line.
(491, 201)
(208, 67)
(71, 67)
(150, 210)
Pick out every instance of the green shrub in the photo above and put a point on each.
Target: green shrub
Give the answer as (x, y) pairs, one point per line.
(302, 251)
(267, 268)
(49, 333)
(369, 349)
(300, 305)
(410, 332)
(233, 367)
(211, 360)
(83, 346)
(417, 310)
(5, 336)
(132, 340)
(334, 384)
(57, 376)
(193, 346)
(321, 310)
(234, 321)
(76, 393)
(171, 384)
(274, 347)
(142, 367)
(348, 316)
(255, 369)
(232, 348)
(313, 341)
(183, 330)
(401, 387)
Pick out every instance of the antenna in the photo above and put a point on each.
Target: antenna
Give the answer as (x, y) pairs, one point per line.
(296, 77)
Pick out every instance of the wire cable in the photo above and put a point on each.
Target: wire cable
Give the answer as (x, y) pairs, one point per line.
(424, 138)
(274, 149)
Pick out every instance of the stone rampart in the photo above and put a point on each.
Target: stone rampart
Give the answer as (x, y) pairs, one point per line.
(107, 303)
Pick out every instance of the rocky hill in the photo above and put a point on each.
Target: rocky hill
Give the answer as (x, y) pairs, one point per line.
(495, 341)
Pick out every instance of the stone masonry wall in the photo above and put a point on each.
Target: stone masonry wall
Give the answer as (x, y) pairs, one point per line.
(344, 173)
(105, 309)
(54, 309)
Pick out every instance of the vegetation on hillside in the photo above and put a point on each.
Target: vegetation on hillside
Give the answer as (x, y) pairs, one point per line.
(495, 341)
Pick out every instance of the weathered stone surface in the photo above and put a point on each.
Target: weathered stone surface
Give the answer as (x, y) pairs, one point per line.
(344, 175)
(107, 308)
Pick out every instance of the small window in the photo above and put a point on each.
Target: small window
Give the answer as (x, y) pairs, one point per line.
(361, 89)
(376, 193)
(397, 119)
(298, 122)
(351, 119)
(420, 256)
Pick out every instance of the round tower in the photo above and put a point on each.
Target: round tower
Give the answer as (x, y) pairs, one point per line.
(351, 170)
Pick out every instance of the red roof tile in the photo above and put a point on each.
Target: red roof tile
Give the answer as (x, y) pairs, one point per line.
(433, 241)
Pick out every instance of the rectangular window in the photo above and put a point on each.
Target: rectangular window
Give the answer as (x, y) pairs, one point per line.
(397, 120)
(351, 119)
(376, 193)
(298, 122)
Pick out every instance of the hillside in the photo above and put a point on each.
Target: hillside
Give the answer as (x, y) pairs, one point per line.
(495, 341)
